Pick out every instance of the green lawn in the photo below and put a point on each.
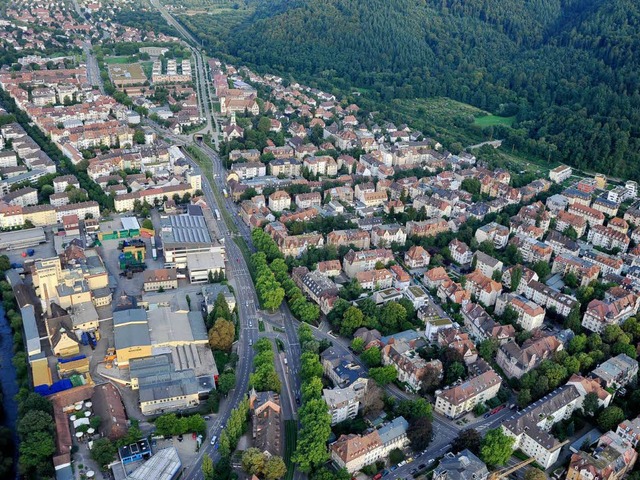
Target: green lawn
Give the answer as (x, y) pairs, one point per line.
(494, 120)
(113, 60)
(290, 439)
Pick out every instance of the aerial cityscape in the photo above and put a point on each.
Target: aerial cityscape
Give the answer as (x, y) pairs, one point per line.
(262, 240)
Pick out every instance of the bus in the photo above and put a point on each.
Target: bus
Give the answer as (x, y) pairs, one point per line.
(217, 214)
(226, 194)
(154, 253)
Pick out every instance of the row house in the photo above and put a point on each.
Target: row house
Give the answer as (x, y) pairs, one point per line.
(530, 314)
(592, 216)
(460, 399)
(515, 361)
(565, 220)
(417, 257)
(308, 200)
(460, 252)
(355, 262)
(610, 311)
(375, 279)
(548, 297)
(385, 235)
(608, 238)
(354, 237)
(493, 232)
(483, 288)
(411, 367)
(585, 271)
(285, 167)
(427, 228)
(482, 327)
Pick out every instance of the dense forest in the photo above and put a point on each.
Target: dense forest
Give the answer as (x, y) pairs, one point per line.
(569, 69)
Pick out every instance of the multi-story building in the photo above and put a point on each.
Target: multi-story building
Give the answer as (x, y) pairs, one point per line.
(482, 327)
(547, 297)
(375, 279)
(609, 238)
(417, 257)
(463, 465)
(585, 271)
(486, 264)
(515, 361)
(357, 238)
(162, 278)
(385, 235)
(565, 220)
(460, 252)
(411, 367)
(530, 427)
(353, 452)
(591, 215)
(612, 459)
(355, 262)
(343, 404)
(427, 228)
(323, 166)
(483, 288)
(630, 431)
(616, 372)
(610, 311)
(308, 200)
(248, 170)
(279, 200)
(560, 174)
(561, 244)
(530, 314)
(287, 167)
(493, 232)
(458, 400)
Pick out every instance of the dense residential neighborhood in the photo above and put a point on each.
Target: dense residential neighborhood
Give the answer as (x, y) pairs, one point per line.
(210, 272)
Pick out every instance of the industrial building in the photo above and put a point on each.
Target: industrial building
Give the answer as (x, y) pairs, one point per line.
(22, 238)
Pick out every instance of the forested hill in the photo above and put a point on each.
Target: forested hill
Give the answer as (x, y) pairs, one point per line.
(570, 68)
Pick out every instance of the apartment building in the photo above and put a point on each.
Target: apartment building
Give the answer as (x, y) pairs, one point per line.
(610, 311)
(343, 404)
(482, 327)
(355, 262)
(411, 368)
(612, 458)
(616, 372)
(547, 297)
(560, 174)
(483, 288)
(515, 361)
(357, 238)
(460, 252)
(608, 238)
(460, 399)
(385, 235)
(530, 314)
(585, 271)
(493, 232)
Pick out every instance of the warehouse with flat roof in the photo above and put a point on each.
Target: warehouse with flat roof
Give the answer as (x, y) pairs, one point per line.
(22, 238)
